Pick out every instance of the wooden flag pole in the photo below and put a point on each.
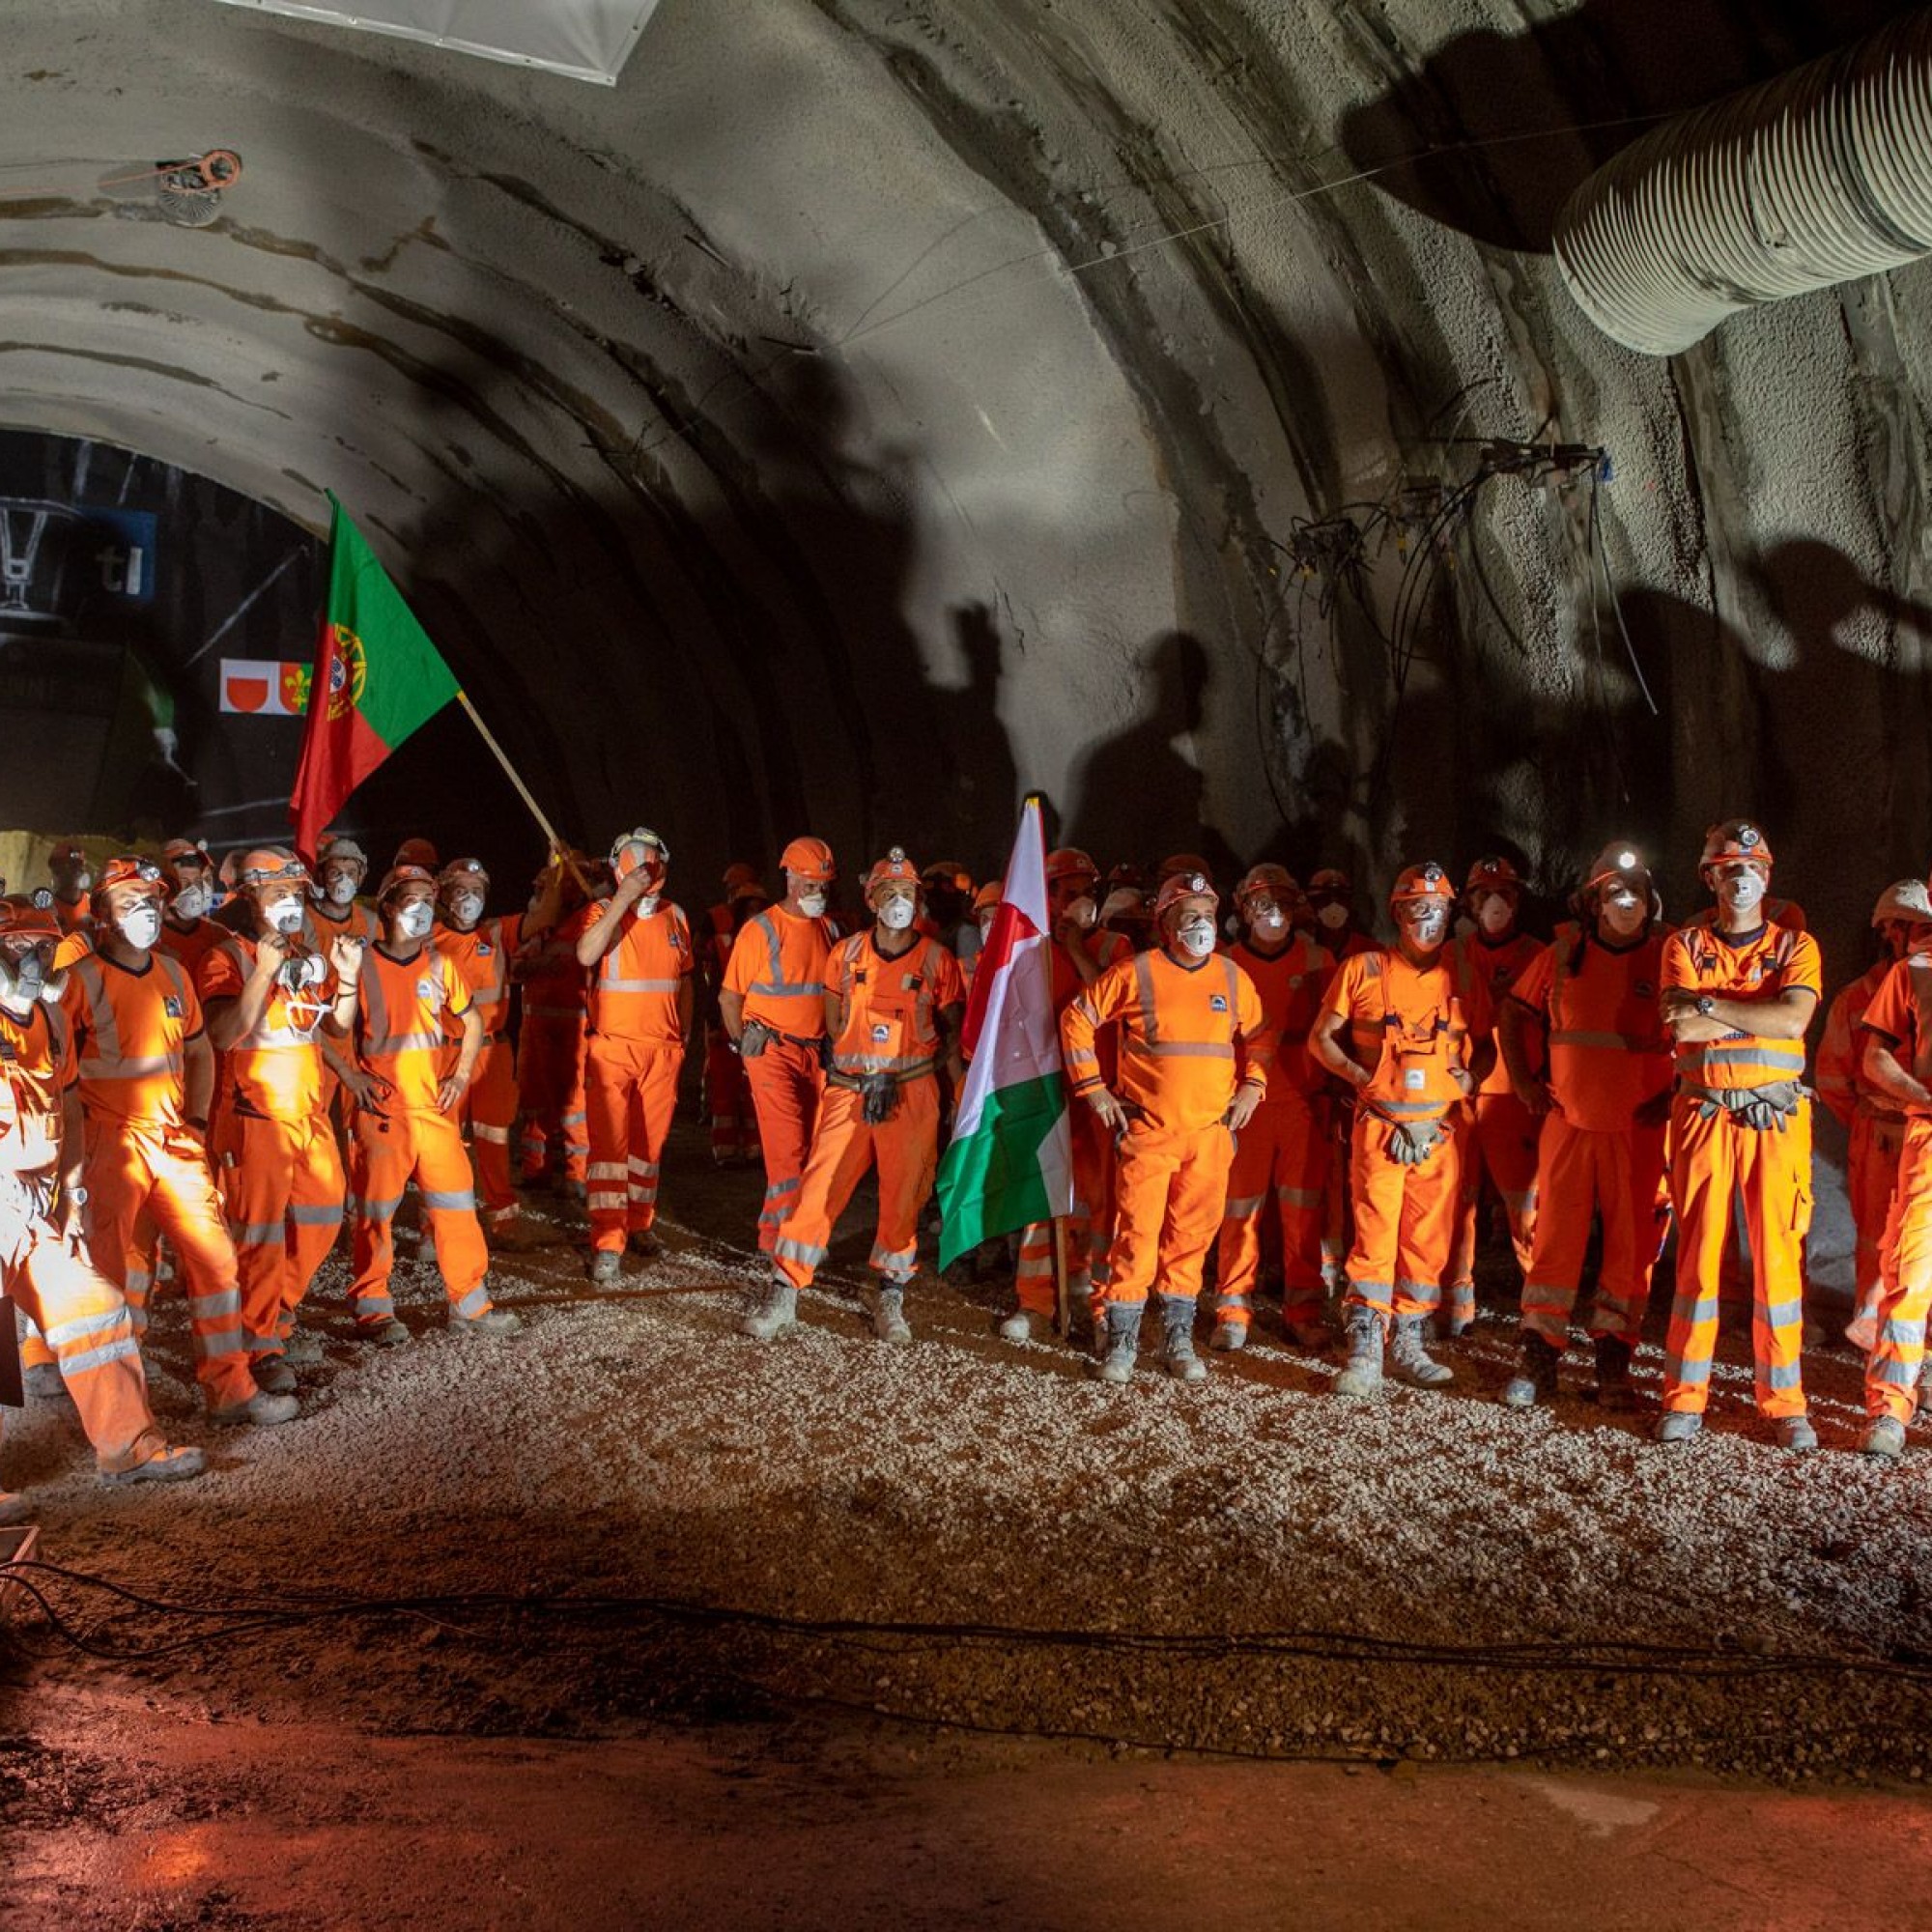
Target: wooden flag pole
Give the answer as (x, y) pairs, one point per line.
(1062, 1300)
(511, 772)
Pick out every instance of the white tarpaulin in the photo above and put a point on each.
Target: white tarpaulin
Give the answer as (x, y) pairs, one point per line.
(588, 39)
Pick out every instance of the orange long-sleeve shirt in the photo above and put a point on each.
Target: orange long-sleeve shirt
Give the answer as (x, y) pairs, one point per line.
(399, 1023)
(1836, 1072)
(889, 1005)
(1409, 1025)
(483, 957)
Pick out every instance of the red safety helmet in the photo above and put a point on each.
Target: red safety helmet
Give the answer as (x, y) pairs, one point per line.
(1329, 887)
(269, 866)
(811, 860)
(1734, 838)
(894, 869)
(1068, 863)
(415, 852)
(460, 872)
(30, 913)
(1179, 887)
(179, 850)
(68, 852)
(1618, 861)
(1493, 875)
(989, 895)
(1276, 882)
(130, 874)
(1427, 881)
(399, 876)
(1189, 863)
(741, 880)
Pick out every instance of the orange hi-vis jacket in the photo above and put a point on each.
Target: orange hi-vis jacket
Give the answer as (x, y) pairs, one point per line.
(276, 1071)
(1609, 1050)
(191, 944)
(37, 1068)
(889, 1006)
(1837, 1071)
(633, 987)
(778, 963)
(399, 1024)
(1772, 961)
(130, 1031)
(545, 967)
(1900, 1013)
(483, 957)
(1180, 1030)
(1409, 1025)
(1498, 967)
(359, 920)
(1290, 984)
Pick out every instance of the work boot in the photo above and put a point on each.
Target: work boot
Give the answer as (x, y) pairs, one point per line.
(1121, 1339)
(1016, 1327)
(1535, 1380)
(1363, 1377)
(273, 1374)
(1884, 1438)
(1176, 1339)
(1615, 1392)
(1677, 1425)
(644, 1244)
(1229, 1337)
(1796, 1434)
(493, 1322)
(888, 1323)
(260, 1410)
(385, 1333)
(1409, 1361)
(606, 1266)
(1459, 1317)
(301, 1346)
(166, 1463)
(775, 1310)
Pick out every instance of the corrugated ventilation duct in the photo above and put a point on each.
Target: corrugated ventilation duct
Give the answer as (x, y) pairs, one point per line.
(1816, 177)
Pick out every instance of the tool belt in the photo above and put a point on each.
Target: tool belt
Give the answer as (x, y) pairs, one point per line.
(880, 1090)
(756, 1035)
(1762, 1109)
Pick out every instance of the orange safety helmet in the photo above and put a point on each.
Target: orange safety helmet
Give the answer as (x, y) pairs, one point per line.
(29, 913)
(989, 895)
(1276, 880)
(894, 869)
(1179, 886)
(1493, 875)
(1066, 862)
(1906, 900)
(462, 871)
(191, 849)
(130, 874)
(267, 866)
(1329, 887)
(399, 876)
(741, 880)
(1618, 861)
(1734, 838)
(415, 852)
(811, 860)
(949, 872)
(1427, 881)
(1183, 862)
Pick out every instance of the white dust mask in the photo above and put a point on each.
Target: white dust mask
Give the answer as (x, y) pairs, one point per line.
(341, 890)
(643, 908)
(140, 926)
(192, 902)
(416, 919)
(895, 914)
(812, 904)
(1495, 915)
(1196, 936)
(1268, 921)
(1333, 917)
(285, 916)
(466, 909)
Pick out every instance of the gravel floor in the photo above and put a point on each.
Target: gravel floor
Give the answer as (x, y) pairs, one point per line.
(629, 1445)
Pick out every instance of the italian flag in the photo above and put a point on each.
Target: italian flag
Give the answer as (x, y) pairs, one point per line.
(377, 678)
(1010, 1159)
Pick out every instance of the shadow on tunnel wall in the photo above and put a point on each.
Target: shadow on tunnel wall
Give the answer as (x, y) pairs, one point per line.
(1604, 61)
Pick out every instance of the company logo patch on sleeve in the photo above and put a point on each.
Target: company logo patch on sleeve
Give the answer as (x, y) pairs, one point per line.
(1218, 1003)
(171, 1006)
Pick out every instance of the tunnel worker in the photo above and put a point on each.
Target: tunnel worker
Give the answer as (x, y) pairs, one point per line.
(267, 998)
(188, 879)
(637, 947)
(1331, 898)
(334, 905)
(550, 1038)
(1587, 1005)
(1418, 1046)
(483, 946)
(773, 1005)
(72, 873)
(1500, 1146)
(407, 1095)
(1195, 1051)
(727, 1094)
(43, 1270)
(1738, 996)
(417, 851)
(1896, 1064)
(147, 1075)
(985, 904)
(893, 1001)
(1081, 950)
(1874, 1123)
(1281, 1157)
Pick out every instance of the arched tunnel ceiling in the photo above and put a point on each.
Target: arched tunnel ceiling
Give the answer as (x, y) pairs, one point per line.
(867, 409)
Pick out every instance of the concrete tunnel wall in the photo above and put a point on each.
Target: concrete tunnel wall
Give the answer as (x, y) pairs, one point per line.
(821, 429)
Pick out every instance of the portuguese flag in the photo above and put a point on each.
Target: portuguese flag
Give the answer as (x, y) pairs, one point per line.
(377, 678)
(1011, 1158)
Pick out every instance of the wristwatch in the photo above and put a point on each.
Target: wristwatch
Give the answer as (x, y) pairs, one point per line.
(77, 1196)
(1706, 1005)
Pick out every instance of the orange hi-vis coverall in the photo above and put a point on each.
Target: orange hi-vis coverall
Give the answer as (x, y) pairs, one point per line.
(1090, 1227)
(42, 1272)
(1284, 1151)
(1183, 1031)
(276, 1158)
(889, 1041)
(636, 1049)
(1718, 1162)
(550, 1046)
(1875, 1138)
(404, 1136)
(727, 1094)
(145, 1167)
(1411, 1027)
(489, 1104)
(1499, 1141)
(1601, 1151)
(777, 964)
(1900, 1014)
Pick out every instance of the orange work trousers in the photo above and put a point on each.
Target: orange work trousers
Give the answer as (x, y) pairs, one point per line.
(1717, 1165)
(1281, 1160)
(1089, 1229)
(489, 1110)
(1405, 1221)
(1498, 1145)
(389, 1150)
(631, 1085)
(550, 1092)
(1871, 1174)
(787, 1083)
(1897, 1354)
(143, 1180)
(84, 1320)
(1169, 1192)
(727, 1101)
(1582, 1174)
(281, 1189)
(843, 1146)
